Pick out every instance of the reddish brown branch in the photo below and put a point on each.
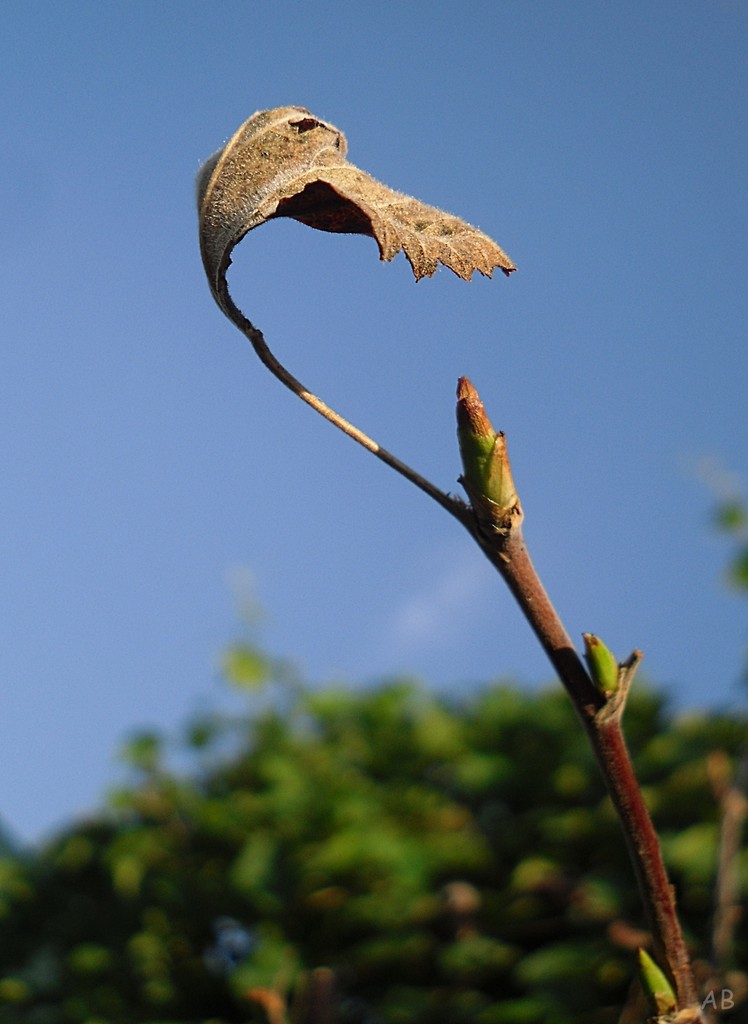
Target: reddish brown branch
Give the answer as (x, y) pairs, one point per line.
(607, 739)
(507, 551)
(497, 527)
(510, 556)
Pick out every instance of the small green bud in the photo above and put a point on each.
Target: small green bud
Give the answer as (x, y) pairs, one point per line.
(483, 450)
(601, 663)
(656, 985)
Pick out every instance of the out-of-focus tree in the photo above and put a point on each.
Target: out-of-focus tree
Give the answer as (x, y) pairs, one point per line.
(446, 861)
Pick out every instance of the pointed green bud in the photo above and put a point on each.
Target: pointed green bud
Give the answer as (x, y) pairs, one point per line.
(601, 663)
(656, 985)
(483, 451)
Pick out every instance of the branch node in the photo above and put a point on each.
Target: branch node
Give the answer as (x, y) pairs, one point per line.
(614, 707)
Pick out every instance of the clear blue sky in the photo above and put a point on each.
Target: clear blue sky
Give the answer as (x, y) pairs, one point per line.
(149, 461)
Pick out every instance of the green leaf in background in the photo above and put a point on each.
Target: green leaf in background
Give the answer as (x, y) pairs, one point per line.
(245, 667)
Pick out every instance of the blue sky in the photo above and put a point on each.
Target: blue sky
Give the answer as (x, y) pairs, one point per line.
(151, 466)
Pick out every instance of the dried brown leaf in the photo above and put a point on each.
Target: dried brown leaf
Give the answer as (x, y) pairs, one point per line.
(288, 163)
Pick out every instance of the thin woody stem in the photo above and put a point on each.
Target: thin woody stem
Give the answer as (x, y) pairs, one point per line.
(511, 557)
(256, 338)
(612, 754)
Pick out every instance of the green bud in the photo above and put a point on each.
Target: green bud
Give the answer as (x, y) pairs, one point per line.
(601, 663)
(656, 985)
(483, 450)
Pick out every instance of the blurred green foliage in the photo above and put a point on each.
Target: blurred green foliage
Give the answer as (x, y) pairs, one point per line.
(731, 518)
(449, 861)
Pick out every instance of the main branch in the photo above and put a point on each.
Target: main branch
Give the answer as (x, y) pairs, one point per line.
(496, 525)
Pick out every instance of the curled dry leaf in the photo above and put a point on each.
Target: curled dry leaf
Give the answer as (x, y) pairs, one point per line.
(288, 163)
